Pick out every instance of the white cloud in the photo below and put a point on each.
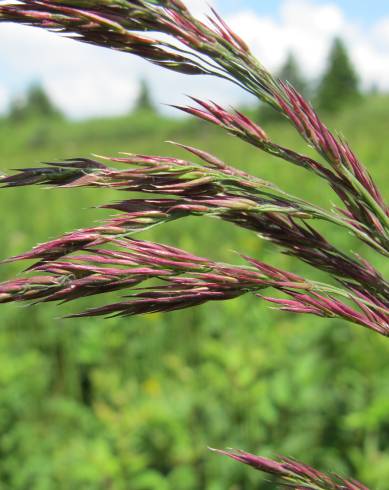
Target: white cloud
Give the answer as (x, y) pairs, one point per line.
(4, 97)
(381, 32)
(303, 27)
(199, 7)
(88, 81)
(83, 80)
(92, 93)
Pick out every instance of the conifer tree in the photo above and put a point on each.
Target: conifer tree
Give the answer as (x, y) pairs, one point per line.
(36, 103)
(340, 84)
(39, 103)
(16, 110)
(144, 102)
(291, 72)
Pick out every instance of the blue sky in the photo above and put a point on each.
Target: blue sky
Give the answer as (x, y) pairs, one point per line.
(364, 11)
(76, 76)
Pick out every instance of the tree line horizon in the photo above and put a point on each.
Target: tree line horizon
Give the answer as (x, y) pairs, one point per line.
(338, 87)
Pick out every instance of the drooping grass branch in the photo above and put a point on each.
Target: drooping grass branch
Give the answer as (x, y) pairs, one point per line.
(187, 281)
(157, 278)
(212, 189)
(293, 474)
(361, 219)
(212, 49)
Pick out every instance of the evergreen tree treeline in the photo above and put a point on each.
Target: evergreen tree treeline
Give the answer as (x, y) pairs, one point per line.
(36, 103)
(144, 102)
(338, 87)
(340, 84)
(291, 73)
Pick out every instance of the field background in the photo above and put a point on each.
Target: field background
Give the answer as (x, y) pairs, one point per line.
(133, 403)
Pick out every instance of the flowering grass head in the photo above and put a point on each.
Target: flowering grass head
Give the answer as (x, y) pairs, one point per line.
(159, 278)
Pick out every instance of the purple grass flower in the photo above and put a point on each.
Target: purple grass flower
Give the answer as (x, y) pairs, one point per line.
(185, 281)
(211, 189)
(158, 278)
(293, 474)
(220, 52)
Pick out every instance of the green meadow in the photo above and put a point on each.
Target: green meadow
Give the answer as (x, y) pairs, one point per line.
(133, 404)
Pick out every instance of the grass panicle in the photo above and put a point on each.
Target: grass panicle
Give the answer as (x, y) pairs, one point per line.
(158, 278)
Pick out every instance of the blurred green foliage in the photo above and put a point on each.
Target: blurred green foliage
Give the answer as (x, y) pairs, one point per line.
(134, 403)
